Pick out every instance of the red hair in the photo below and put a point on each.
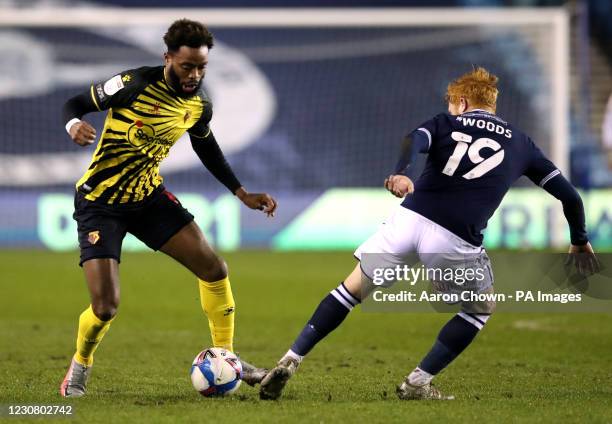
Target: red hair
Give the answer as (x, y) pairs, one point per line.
(478, 87)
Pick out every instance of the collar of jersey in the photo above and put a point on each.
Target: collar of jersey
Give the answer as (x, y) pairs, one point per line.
(478, 110)
(486, 112)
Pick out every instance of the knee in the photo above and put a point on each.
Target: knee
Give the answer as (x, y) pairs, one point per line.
(106, 308)
(488, 307)
(213, 270)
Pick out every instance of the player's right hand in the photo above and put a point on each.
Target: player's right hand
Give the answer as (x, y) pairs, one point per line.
(399, 185)
(261, 201)
(82, 133)
(584, 258)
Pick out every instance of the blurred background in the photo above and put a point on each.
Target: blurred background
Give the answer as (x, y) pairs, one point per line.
(310, 106)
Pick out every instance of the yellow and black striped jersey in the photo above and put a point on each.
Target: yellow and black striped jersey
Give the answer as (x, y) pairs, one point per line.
(145, 118)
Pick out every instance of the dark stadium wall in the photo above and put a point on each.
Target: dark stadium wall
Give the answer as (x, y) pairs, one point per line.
(286, 3)
(333, 3)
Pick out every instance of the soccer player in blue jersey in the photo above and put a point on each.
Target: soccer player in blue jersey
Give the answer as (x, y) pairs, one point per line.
(473, 157)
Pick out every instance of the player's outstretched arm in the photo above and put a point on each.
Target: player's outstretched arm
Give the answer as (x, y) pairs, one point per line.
(212, 157)
(581, 253)
(398, 183)
(81, 132)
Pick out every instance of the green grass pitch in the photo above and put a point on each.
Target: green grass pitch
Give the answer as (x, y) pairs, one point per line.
(535, 368)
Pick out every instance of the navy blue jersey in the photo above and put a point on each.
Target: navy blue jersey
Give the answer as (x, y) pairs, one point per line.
(473, 159)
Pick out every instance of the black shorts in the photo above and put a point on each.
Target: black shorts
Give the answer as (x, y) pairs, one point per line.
(102, 227)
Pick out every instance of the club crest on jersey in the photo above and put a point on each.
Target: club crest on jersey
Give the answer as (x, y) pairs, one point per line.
(187, 116)
(93, 237)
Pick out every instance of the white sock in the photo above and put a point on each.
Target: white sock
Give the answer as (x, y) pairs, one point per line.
(418, 377)
(291, 354)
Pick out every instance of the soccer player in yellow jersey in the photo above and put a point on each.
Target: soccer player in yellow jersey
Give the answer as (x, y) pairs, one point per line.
(149, 109)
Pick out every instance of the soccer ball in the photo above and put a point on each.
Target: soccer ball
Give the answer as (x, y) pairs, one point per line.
(216, 372)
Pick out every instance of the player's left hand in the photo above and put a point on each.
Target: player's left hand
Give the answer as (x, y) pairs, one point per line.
(584, 258)
(261, 201)
(399, 185)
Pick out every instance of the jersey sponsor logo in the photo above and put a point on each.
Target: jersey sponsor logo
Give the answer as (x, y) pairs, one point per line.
(113, 85)
(93, 237)
(140, 133)
(486, 125)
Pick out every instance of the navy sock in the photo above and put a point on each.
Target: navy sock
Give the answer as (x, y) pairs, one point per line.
(329, 314)
(454, 337)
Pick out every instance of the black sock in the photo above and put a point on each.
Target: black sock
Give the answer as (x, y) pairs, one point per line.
(454, 337)
(329, 314)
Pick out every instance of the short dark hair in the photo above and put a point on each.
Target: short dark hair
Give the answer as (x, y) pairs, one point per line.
(185, 32)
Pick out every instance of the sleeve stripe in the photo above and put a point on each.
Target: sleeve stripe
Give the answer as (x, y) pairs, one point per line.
(93, 96)
(201, 136)
(549, 177)
(426, 131)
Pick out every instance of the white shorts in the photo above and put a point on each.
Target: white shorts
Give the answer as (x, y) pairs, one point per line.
(407, 238)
